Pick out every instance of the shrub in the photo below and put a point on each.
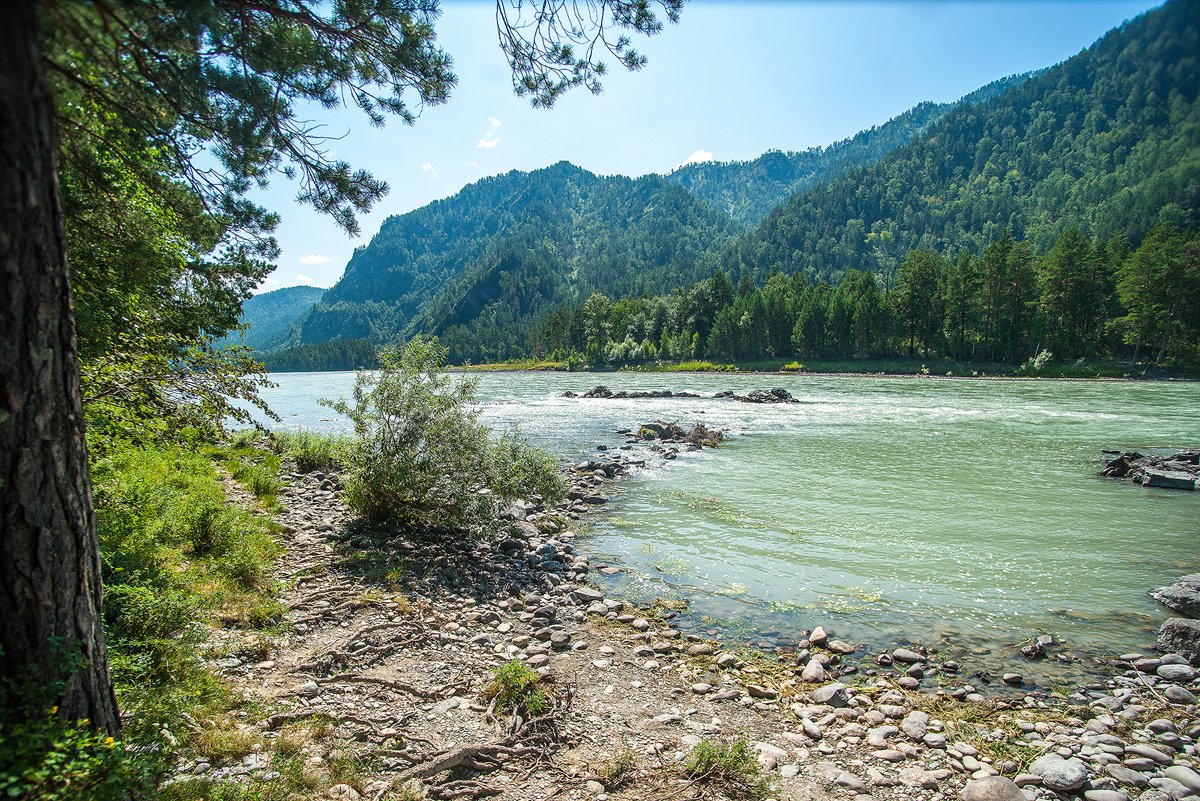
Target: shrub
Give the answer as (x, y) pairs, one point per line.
(518, 689)
(59, 760)
(1036, 364)
(423, 457)
(730, 768)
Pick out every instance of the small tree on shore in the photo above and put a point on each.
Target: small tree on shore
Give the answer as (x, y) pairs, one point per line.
(422, 456)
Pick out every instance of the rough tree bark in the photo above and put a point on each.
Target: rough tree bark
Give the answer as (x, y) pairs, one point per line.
(50, 627)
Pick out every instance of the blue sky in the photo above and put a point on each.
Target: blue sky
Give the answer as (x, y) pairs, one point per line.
(729, 82)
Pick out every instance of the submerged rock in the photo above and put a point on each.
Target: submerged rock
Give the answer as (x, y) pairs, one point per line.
(775, 395)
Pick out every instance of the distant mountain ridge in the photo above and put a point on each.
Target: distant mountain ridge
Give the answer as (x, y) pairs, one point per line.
(1107, 142)
(512, 246)
(749, 190)
(270, 316)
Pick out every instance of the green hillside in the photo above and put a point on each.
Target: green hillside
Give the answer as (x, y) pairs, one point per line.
(503, 247)
(749, 190)
(1108, 142)
(270, 315)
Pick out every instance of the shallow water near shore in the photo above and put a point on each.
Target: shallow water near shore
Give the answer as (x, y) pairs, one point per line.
(889, 510)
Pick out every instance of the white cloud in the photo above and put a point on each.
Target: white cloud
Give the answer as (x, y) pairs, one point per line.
(490, 139)
(428, 168)
(314, 258)
(471, 164)
(270, 280)
(304, 279)
(697, 157)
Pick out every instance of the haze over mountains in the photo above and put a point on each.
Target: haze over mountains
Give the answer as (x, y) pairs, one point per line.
(1108, 141)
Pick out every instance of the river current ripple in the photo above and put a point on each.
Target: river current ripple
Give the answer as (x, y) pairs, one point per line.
(889, 510)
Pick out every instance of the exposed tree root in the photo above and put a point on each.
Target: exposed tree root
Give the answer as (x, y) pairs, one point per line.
(398, 686)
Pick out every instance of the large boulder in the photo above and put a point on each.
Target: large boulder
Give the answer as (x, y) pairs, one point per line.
(1182, 595)
(992, 788)
(1181, 635)
(1060, 775)
(1153, 476)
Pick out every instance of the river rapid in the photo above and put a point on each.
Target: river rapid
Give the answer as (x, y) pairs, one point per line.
(963, 514)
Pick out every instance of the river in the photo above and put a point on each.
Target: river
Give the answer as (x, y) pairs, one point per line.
(889, 510)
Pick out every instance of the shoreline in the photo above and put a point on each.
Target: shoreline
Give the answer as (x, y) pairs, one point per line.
(395, 662)
(501, 368)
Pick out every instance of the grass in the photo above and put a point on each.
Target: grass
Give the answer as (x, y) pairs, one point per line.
(730, 768)
(931, 366)
(620, 770)
(515, 364)
(313, 451)
(517, 689)
(177, 556)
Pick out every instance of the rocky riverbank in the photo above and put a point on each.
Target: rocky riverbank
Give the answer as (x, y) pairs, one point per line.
(391, 636)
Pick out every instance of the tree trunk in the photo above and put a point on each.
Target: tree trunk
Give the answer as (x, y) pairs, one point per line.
(51, 635)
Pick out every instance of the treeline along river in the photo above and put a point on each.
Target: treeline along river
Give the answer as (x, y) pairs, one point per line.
(961, 512)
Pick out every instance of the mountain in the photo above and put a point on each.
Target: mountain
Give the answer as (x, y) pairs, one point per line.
(1108, 142)
(483, 265)
(507, 246)
(748, 190)
(270, 316)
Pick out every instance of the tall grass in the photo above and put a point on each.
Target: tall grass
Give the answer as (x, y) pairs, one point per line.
(313, 451)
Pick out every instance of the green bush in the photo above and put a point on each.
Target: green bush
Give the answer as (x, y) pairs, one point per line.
(518, 689)
(730, 768)
(423, 457)
(58, 760)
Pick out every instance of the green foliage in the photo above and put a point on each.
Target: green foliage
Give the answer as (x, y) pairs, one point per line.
(51, 759)
(1036, 365)
(1159, 284)
(150, 388)
(748, 190)
(516, 689)
(312, 450)
(730, 768)
(174, 555)
(1107, 142)
(423, 457)
(256, 469)
(173, 552)
(338, 354)
(481, 270)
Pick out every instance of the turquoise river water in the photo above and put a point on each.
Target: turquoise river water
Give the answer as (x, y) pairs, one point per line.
(889, 510)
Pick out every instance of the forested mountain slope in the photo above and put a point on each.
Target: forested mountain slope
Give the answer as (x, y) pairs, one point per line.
(749, 190)
(270, 315)
(508, 244)
(481, 263)
(1108, 141)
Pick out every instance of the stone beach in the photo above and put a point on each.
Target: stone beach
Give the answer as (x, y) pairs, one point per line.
(396, 660)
